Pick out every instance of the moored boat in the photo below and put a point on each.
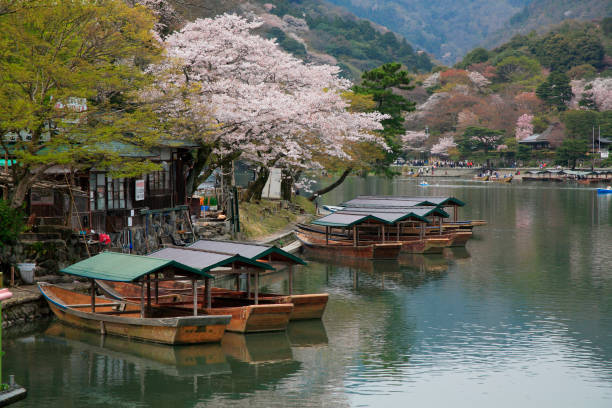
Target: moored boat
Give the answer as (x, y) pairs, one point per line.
(481, 178)
(367, 250)
(122, 319)
(246, 317)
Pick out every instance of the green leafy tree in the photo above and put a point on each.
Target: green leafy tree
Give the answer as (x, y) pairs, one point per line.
(476, 56)
(588, 101)
(11, 223)
(479, 138)
(580, 124)
(517, 68)
(380, 83)
(556, 90)
(68, 70)
(570, 151)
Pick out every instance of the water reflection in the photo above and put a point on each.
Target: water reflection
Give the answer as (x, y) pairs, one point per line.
(522, 317)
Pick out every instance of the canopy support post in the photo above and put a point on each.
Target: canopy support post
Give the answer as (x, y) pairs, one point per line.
(248, 285)
(354, 235)
(236, 277)
(156, 288)
(326, 235)
(149, 291)
(383, 233)
(440, 225)
(399, 226)
(93, 296)
(257, 287)
(207, 294)
(290, 280)
(142, 307)
(455, 213)
(194, 286)
(422, 233)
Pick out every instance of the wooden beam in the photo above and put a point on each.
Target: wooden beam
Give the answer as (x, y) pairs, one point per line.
(290, 280)
(354, 235)
(383, 233)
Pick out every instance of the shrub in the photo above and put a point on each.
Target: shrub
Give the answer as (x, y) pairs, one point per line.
(11, 223)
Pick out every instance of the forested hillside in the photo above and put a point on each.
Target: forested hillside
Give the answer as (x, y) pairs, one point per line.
(539, 15)
(558, 83)
(449, 29)
(319, 32)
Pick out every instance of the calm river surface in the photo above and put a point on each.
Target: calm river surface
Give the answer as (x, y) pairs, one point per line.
(521, 318)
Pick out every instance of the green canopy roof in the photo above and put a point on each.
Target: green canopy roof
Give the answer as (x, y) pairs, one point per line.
(118, 267)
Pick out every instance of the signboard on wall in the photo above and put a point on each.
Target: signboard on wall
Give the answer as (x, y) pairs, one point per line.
(272, 189)
(41, 197)
(604, 154)
(140, 190)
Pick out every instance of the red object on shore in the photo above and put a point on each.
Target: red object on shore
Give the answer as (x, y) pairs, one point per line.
(105, 239)
(5, 294)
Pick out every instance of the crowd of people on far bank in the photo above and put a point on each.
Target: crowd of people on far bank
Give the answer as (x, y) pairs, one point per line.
(441, 163)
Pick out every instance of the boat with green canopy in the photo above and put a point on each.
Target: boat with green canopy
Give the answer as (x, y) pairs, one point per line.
(133, 320)
(377, 226)
(250, 311)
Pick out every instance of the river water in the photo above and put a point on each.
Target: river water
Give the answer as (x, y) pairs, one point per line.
(520, 318)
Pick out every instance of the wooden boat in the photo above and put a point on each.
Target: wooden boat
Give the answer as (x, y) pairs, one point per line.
(507, 179)
(604, 190)
(307, 306)
(481, 178)
(411, 242)
(160, 325)
(366, 250)
(246, 317)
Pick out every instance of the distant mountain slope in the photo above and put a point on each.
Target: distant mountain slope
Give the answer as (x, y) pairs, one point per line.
(447, 29)
(539, 15)
(318, 31)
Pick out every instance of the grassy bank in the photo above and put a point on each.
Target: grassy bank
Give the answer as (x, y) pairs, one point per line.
(267, 217)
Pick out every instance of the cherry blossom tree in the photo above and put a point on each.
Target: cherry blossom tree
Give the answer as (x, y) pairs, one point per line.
(443, 146)
(261, 103)
(414, 139)
(524, 127)
(479, 80)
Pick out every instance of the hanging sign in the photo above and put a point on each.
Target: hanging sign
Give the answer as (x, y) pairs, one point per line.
(140, 190)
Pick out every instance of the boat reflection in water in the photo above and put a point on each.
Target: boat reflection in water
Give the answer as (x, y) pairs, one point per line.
(188, 360)
(256, 348)
(307, 333)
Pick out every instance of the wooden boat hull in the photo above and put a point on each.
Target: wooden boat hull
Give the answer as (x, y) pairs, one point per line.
(460, 238)
(168, 330)
(245, 317)
(483, 178)
(367, 251)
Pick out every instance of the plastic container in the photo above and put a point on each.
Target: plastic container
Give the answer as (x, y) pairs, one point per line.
(26, 271)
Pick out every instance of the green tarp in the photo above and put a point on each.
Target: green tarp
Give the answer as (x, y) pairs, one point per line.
(115, 266)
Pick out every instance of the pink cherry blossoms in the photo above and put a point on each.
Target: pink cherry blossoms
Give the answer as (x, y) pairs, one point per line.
(524, 127)
(443, 146)
(266, 105)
